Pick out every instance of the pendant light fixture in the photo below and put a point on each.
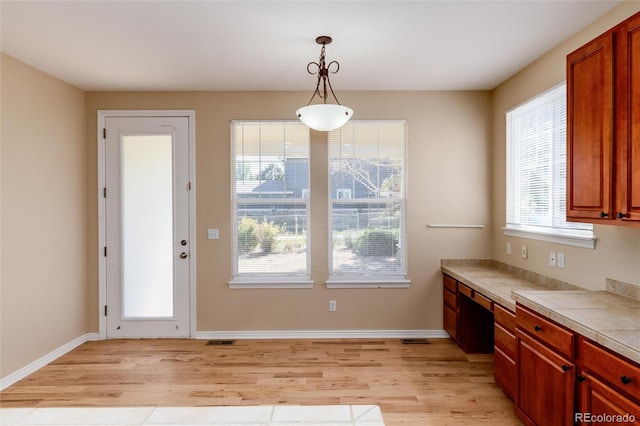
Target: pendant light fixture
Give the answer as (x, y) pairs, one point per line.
(324, 116)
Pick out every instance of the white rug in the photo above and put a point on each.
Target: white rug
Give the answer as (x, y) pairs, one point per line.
(263, 415)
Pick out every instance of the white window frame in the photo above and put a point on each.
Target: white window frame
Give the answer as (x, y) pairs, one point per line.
(395, 280)
(265, 280)
(577, 234)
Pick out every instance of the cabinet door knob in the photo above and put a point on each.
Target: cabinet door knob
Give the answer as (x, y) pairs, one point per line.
(625, 380)
(537, 328)
(603, 215)
(581, 378)
(622, 215)
(565, 367)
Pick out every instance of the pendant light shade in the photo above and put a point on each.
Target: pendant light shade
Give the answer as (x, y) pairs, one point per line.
(324, 117)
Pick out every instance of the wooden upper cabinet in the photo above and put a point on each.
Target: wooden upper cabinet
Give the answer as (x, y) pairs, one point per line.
(603, 128)
(590, 110)
(628, 136)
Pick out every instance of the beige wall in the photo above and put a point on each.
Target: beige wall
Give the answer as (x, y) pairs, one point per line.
(43, 241)
(448, 182)
(617, 253)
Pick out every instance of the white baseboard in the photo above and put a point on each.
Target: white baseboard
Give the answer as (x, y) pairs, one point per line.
(12, 378)
(322, 334)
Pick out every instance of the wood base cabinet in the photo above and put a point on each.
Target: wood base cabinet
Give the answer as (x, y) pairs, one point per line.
(467, 316)
(608, 387)
(546, 371)
(545, 384)
(450, 307)
(504, 350)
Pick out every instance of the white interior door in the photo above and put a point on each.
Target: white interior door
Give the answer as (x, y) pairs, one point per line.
(147, 227)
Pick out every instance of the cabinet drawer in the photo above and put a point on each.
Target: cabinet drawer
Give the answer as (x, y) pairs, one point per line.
(450, 299)
(597, 397)
(505, 372)
(463, 289)
(551, 334)
(483, 301)
(619, 373)
(504, 340)
(450, 283)
(450, 322)
(505, 318)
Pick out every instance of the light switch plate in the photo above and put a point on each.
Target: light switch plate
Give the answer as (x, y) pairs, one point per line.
(213, 234)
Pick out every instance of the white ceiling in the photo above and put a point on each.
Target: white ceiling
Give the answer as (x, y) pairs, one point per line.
(266, 45)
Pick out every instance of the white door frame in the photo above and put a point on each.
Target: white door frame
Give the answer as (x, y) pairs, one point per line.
(102, 261)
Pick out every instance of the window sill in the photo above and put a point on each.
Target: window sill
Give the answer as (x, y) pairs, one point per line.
(368, 283)
(270, 283)
(584, 241)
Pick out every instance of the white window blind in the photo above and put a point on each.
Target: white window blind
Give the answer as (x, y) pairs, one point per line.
(367, 200)
(536, 167)
(270, 198)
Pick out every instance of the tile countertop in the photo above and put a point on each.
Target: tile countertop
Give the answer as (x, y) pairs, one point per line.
(606, 317)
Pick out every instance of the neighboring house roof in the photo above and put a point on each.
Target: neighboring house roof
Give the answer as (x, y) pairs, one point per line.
(362, 181)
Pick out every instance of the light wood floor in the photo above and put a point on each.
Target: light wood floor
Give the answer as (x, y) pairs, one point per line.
(416, 384)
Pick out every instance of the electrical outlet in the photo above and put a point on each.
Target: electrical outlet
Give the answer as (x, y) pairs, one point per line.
(508, 247)
(560, 260)
(525, 253)
(552, 258)
(332, 305)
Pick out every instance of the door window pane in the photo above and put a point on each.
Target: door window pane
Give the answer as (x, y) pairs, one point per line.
(147, 226)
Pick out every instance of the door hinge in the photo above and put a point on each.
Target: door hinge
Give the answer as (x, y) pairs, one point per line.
(104, 133)
(104, 192)
(105, 251)
(105, 310)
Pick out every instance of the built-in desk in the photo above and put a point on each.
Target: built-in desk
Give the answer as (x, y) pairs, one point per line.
(611, 318)
(482, 292)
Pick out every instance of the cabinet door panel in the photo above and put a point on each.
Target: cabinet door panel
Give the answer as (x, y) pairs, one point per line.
(545, 384)
(590, 130)
(628, 112)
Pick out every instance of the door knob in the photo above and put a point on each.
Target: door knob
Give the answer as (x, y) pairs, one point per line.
(183, 242)
(183, 255)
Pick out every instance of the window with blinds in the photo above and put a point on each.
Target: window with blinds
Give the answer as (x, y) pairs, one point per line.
(367, 183)
(270, 199)
(536, 167)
